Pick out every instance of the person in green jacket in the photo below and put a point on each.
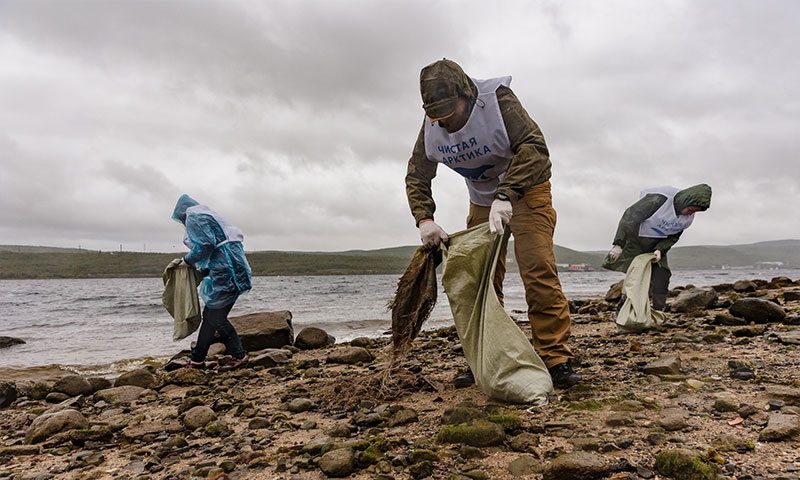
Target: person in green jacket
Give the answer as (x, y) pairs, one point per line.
(654, 224)
(480, 130)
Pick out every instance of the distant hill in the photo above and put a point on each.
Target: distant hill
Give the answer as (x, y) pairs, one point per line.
(49, 262)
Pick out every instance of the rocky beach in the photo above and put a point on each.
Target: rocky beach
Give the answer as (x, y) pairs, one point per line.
(712, 394)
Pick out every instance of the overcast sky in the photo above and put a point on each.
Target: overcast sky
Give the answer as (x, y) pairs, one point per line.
(295, 119)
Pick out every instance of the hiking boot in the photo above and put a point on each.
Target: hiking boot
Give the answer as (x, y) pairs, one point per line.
(564, 376)
(660, 302)
(235, 363)
(195, 365)
(466, 379)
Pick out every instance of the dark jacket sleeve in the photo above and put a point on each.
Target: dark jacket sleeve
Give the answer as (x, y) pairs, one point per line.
(666, 243)
(531, 162)
(628, 228)
(420, 172)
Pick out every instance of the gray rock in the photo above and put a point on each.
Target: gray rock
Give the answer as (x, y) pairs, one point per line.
(757, 310)
(525, 442)
(138, 430)
(264, 330)
(6, 342)
(310, 338)
(525, 465)
(99, 383)
(694, 299)
(317, 444)
(726, 402)
(577, 466)
(198, 417)
(338, 430)
(140, 378)
(744, 286)
(790, 337)
(20, 450)
(620, 419)
(789, 395)
(673, 419)
(187, 376)
(365, 342)
(403, 417)
(270, 358)
(259, 423)
(781, 427)
(8, 393)
(56, 397)
(667, 365)
(117, 395)
(51, 423)
(73, 385)
(298, 405)
(349, 355)
(338, 463)
(461, 414)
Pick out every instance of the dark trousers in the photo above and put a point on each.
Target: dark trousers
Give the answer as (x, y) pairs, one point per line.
(216, 320)
(659, 279)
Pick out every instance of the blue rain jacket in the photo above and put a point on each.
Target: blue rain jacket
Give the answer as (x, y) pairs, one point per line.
(214, 246)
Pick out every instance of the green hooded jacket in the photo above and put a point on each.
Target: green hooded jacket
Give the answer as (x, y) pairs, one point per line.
(531, 162)
(627, 235)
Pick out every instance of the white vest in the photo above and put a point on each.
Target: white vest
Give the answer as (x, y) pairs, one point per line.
(232, 234)
(664, 222)
(481, 151)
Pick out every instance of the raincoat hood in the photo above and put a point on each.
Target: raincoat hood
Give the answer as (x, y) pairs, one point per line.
(440, 85)
(179, 214)
(696, 196)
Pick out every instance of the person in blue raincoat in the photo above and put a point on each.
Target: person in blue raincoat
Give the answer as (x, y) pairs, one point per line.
(215, 247)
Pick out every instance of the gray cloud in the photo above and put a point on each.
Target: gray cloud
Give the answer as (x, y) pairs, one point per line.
(295, 119)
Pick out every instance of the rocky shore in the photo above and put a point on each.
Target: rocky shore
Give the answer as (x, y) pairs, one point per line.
(713, 394)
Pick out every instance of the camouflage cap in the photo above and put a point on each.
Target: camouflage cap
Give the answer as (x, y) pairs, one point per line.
(440, 84)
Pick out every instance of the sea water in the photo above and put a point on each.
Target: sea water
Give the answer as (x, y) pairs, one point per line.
(106, 325)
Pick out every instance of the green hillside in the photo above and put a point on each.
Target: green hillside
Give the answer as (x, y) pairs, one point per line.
(47, 262)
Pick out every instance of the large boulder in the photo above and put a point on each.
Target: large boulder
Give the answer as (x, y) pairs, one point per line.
(757, 310)
(8, 393)
(265, 329)
(73, 385)
(578, 466)
(6, 342)
(312, 337)
(51, 423)
(744, 286)
(349, 355)
(694, 299)
(140, 377)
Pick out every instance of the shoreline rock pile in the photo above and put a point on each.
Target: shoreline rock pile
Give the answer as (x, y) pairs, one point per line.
(715, 394)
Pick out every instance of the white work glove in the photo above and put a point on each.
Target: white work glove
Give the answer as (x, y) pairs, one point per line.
(499, 215)
(431, 233)
(614, 253)
(658, 256)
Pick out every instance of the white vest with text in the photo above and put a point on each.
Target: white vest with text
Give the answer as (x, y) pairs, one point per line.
(481, 151)
(665, 221)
